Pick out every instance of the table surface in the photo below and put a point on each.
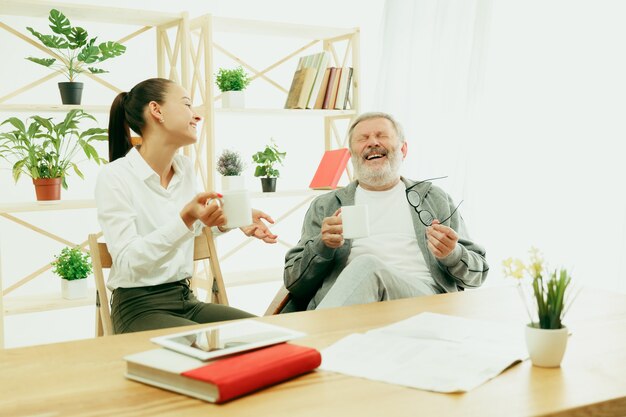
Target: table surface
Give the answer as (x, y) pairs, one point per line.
(86, 377)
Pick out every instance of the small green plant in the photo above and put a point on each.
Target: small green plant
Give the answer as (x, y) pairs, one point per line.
(74, 48)
(230, 163)
(550, 299)
(267, 159)
(232, 79)
(45, 149)
(72, 264)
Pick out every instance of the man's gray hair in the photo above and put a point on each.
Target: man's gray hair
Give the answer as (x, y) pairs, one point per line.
(377, 115)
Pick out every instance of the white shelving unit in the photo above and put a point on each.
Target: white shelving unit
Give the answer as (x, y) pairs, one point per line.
(185, 51)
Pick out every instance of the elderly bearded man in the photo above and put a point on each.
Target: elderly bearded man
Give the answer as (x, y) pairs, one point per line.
(418, 243)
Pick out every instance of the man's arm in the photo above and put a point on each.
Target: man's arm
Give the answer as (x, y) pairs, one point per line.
(308, 263)
(460, 257)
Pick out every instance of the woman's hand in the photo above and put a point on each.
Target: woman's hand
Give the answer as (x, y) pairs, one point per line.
(259, 229)
(204, 207)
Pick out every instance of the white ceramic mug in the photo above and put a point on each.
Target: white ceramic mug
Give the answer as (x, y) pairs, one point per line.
(355, 221)
(237, 208)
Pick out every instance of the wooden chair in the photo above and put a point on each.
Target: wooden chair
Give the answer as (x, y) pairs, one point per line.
(279, 302)
(204, 250)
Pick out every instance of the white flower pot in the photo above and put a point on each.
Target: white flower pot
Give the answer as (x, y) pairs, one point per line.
(233, 100)
(546, 347)
(233, 183)
(76, 288)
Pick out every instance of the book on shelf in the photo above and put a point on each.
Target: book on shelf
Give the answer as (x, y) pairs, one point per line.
(308, 76)
(343, 88)
(331, 92)
(330, 169)
(223, 379)
(319, 101)
(300, 86)
(322, 63)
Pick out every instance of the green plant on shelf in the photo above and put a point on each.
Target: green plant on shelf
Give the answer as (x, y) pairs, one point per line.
(72, 264)
(232, 79)
(74, 50)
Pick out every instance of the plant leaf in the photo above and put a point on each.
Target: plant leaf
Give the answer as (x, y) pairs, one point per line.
(111, 49)
(46, 62)
(89, 54)
(78, 37)
(59, 23)
(94, 70)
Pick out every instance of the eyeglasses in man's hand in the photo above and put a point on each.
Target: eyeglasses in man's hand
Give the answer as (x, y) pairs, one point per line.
(415, 200)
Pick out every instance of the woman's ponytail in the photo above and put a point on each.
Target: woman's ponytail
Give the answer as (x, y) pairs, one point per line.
(119, 132)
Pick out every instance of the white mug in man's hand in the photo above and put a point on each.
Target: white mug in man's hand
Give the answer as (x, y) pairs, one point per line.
(355, 220)
(237, 208)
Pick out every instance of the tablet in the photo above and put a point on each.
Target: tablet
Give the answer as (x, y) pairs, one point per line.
(225, 339)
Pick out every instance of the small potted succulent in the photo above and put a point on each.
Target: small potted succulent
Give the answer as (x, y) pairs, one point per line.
(45, 150)
(546, 335)
(266, 161)
(75, 51)
(231, 83)
(230, 165)
(73, 266)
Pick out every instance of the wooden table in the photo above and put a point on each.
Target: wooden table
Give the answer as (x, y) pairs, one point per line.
(85, 377)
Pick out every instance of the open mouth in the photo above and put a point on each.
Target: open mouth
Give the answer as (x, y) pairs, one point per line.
(375, 154)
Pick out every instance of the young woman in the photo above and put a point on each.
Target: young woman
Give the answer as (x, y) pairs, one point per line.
(149, 211)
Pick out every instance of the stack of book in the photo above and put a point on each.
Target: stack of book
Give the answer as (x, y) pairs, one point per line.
(315, 85)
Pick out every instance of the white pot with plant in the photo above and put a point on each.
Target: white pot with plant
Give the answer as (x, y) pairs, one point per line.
(230, 165)
(75, 52)
(546, 335)
(231, 83)
(266, 161)
(45, 150)
(73, 266)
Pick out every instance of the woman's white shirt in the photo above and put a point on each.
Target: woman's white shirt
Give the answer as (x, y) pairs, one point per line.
(148, 241)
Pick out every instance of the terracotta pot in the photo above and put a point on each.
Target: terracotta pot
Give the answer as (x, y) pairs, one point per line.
(48, 189)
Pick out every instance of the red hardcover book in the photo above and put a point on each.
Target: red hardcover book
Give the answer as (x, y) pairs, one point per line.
(224, 379)
(329, 171)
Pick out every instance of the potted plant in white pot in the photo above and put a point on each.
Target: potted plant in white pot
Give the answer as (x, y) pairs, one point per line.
(73, 266)
(45, 150)
(75, 51)
(231, 83)
(546, 335)
(230, 165)
(266, 161)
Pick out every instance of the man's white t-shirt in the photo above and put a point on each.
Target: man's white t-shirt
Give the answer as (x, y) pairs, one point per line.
(392, 234)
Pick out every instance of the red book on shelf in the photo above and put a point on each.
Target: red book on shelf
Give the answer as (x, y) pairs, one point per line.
(224, 379)
(329, 171)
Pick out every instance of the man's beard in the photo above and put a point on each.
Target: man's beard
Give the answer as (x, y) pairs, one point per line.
(378, 176)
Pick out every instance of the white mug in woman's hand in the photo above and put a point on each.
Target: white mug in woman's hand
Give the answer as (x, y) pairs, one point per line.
(237, 208)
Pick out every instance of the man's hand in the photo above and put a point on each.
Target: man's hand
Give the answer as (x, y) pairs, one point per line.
(332, 230)
(441, 239)
(259, 229)
(210, 214)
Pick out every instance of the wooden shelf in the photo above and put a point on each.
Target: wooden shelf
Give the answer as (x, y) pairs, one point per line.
(286, 112)
(89, 108)
(45, 302)
(46, 205)
(288, 193)
(291, 30)
(86, 12)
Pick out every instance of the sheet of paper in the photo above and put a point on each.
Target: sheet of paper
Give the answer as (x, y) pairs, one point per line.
(429, 351)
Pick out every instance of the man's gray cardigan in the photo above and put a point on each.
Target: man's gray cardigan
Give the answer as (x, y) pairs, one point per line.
(311, 267)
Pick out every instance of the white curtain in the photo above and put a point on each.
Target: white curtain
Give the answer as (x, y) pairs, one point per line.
(522, 104)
